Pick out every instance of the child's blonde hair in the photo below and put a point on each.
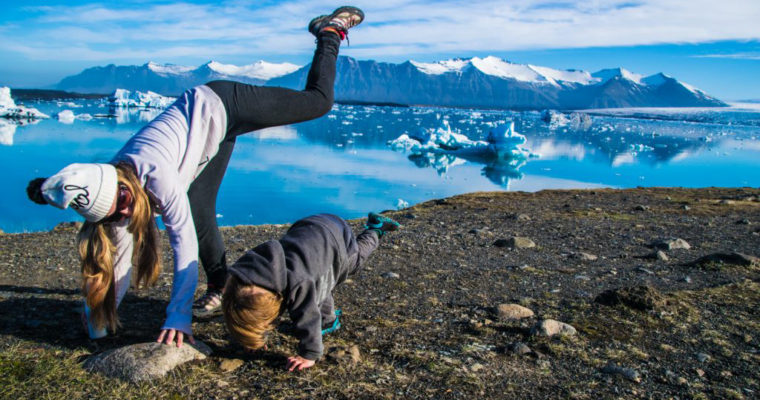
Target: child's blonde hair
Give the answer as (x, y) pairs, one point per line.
(96, 252)
(249, 316)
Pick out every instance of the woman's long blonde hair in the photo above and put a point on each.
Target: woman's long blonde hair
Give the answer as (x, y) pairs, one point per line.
(96, 252)
(249, 316)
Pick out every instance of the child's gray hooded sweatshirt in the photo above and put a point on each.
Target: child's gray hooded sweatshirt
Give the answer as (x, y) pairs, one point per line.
(315, 255)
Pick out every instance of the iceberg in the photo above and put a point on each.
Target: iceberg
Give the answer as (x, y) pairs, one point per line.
(66, 117)
(502, 153)
(575, 121)
(9, 109)
(122, 98)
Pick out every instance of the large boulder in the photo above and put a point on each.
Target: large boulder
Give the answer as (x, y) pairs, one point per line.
(144, 361)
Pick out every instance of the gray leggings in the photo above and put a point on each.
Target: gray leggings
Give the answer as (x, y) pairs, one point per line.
(250, 108)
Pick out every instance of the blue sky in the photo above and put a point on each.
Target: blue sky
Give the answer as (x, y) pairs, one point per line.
(714, 45)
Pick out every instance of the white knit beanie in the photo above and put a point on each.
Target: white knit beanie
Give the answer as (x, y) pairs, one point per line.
(90, 189)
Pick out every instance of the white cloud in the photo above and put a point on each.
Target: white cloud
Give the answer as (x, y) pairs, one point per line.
(394, 29)
(735, 56)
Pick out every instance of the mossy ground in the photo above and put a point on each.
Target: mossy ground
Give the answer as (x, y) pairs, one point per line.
(434, 332)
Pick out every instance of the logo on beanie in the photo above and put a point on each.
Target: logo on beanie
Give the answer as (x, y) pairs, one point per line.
(82, 199)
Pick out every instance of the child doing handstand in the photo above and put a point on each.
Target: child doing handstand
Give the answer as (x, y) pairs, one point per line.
(297, 273)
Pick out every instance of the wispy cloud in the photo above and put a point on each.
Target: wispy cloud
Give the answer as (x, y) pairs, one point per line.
(169, 32)
(734, 56)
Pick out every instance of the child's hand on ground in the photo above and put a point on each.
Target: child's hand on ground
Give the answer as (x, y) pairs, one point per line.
(299, 363)
(169, 334)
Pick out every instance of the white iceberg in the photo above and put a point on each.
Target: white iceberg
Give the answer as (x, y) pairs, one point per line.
(122, 98)
(575, 121)
(501, 153)
(66, 117)
(9, 109)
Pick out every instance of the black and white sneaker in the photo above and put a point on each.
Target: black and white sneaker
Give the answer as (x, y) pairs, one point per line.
(342, 19)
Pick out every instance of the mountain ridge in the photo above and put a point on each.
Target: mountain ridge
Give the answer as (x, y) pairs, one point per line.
(488, 82)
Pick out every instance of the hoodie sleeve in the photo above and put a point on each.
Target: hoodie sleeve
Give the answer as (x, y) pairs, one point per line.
(304, 311)
(176, 215)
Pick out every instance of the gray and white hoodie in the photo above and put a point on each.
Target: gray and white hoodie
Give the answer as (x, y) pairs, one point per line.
(168, 154)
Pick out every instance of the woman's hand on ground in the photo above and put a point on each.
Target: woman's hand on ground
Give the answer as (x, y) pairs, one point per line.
(167, 337)
(298, 363)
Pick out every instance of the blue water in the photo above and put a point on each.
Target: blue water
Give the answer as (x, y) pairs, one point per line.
(341, 163)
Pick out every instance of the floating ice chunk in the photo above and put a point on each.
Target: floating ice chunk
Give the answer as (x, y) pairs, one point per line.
(401, 203)
(126, 98)
(576, 121)
(84, 117)
(66, 117)
(9, 109)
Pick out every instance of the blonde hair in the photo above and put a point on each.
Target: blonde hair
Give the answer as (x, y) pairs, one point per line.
(96, 252)
(249, 316)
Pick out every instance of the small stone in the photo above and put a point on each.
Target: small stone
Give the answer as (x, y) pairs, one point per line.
(582, 277)
(390, 275)
(687, 279)
(727, 258)
(702, 357)
(513, 311)
(341, 354)
(660, 255)
(671, 244)
(515, 242)
(744, 221)
(644, 270)
(700, 372)
(640, 297)
(550, 327)
(228, 365)
(67, 226)
(641, 208)
(520, 348)
(686, 207)
(522, 217)
(584, 256)
(627, 373)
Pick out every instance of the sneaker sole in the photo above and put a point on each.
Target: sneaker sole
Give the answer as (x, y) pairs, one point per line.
(320, 22)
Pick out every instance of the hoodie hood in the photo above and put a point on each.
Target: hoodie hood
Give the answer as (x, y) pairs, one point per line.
(263, 266)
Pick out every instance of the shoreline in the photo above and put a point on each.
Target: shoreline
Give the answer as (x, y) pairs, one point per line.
(426, 314)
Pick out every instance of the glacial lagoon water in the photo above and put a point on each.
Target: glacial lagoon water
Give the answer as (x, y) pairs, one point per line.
(341, 163)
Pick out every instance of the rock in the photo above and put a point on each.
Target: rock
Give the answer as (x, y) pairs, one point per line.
(641, 208)
(640, 297)
(342, 354)
(702, 357)
(687, 279)
(627, 373)
(477, 367)
(740, 259)
(582, 277)
(743, 221)
(584, 256)
(658, 255)
(228, 365)
(515, 242)
(550, 327)
(644, 270)
(513, 311)
(522, 217)
(671, 244)
(67, 226)
(390, 275)
(700, 372)
(520, 348)
(144, 361)
(686, 207)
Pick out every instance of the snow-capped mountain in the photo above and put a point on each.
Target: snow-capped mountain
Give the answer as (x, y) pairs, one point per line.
(169, 79)
(488, 82)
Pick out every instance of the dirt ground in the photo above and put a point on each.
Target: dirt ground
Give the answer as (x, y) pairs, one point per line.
(669, 325)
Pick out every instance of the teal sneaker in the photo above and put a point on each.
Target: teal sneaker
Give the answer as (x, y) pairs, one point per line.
(381, 224)
(335, 325)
